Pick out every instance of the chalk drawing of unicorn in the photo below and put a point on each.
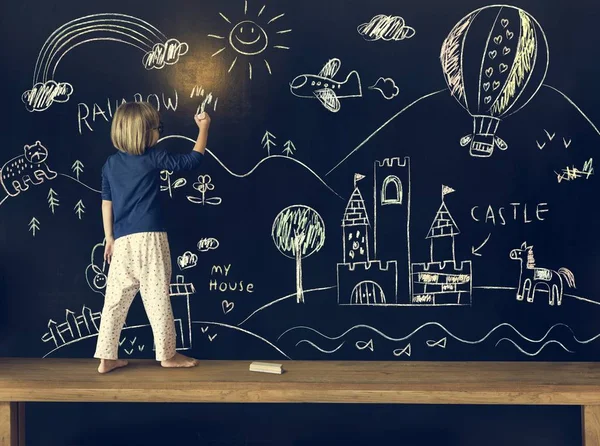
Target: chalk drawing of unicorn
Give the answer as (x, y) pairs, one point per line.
(534, 279)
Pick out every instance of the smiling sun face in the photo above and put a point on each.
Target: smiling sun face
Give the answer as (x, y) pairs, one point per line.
(248, 38)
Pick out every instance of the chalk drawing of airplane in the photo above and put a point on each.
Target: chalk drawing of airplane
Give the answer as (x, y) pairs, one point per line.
(323, 87)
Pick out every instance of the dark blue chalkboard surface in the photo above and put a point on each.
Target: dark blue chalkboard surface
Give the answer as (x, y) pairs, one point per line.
(383, 180)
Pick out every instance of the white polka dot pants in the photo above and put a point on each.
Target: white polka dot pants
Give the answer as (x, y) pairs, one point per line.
(140, 262)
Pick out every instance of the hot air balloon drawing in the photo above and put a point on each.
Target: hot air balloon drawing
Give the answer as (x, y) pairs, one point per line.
(494, 60)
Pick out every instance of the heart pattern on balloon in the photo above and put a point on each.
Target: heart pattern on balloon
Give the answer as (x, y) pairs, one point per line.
(513, 49)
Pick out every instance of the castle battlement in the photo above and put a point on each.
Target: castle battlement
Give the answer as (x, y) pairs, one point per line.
(365, 283)
(440, 283)
(375, 265)
(447, 267)
(393, 162)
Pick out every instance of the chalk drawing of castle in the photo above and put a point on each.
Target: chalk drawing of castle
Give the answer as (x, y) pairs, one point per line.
(385, 276)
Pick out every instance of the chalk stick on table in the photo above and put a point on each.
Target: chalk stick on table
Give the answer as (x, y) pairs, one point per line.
(266, 367)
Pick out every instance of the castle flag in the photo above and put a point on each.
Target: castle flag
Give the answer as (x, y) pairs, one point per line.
(446, 190)
(357, 178)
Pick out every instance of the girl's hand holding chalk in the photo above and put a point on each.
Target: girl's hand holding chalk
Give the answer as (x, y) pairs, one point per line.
(202, 120)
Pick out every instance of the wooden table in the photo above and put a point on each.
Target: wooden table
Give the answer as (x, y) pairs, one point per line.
(510, 383)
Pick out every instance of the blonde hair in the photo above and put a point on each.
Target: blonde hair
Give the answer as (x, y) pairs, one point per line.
(132, 127)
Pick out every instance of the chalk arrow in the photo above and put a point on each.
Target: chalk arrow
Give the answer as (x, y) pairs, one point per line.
(474, 250)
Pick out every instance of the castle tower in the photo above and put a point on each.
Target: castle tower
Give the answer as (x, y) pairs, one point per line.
(355, 227)
(360, 280)
(442, 232)
(442, 281)
(391, 198)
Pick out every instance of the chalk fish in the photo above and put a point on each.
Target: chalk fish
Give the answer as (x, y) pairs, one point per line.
(324, 88)
(361, 345)
(441, 343)
(403, 351)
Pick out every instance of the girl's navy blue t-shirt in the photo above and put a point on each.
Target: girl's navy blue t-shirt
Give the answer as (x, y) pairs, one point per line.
(132, 183)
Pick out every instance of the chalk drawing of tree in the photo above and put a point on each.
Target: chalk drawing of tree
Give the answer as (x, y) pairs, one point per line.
(268, 141)
(289, 148)
(298, 232)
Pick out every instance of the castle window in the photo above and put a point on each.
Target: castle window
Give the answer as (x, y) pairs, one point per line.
(391, 190)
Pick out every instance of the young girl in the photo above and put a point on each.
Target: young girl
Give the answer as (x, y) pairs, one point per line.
(137, 247)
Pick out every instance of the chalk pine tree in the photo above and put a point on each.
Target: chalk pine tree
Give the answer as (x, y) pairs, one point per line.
(268, 141)
(289, 148)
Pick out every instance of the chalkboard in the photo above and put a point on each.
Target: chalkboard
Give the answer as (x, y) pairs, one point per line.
(383, 180)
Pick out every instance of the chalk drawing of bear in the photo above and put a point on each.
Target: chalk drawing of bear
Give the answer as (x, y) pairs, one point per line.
(27, 168)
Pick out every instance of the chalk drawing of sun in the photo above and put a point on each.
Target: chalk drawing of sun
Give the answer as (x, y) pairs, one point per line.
(249, 38)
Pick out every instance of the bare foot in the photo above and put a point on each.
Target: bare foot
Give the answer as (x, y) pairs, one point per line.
(107, 365)
(179, 361)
